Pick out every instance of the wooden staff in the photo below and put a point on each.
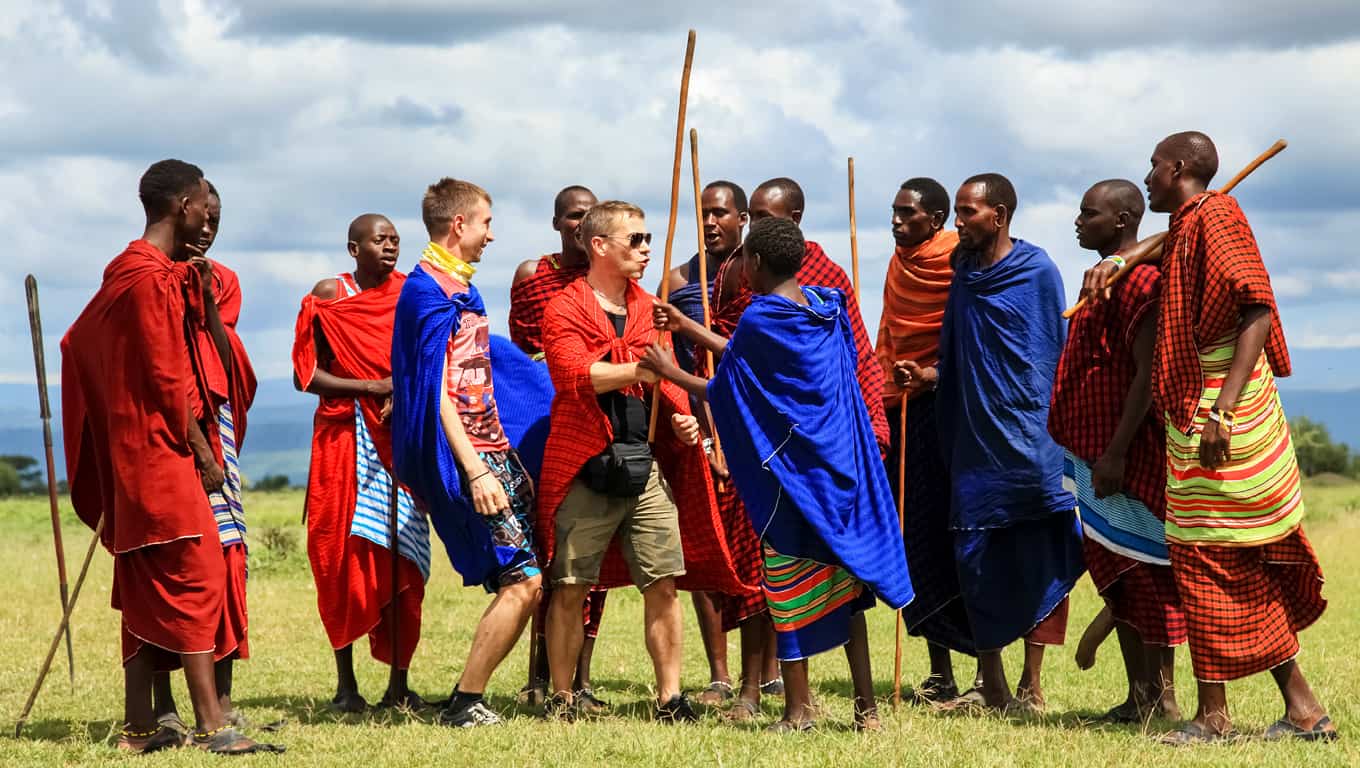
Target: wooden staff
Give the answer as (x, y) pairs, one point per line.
(1153, 245)
(396, 574)
(62, 627)
(902, 525)
(854, 239)
(675, 203)
(703, 278)
(45, 411)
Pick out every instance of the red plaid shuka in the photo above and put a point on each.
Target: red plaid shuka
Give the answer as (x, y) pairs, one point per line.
(1094, 374)
(1211, 268)
(1246, 605)
(577, 334)
(819, 270)
(746, 557)
(530, 296)
(1141, 595)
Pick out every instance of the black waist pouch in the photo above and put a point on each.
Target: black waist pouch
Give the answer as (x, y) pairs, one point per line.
(620, 472)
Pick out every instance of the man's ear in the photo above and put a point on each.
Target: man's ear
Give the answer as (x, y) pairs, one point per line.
(744, 218)
(937, 220)
(557, 224)
(1177, 168)
(1003, 215)
(797, 215)
(457, 225)
(353, 249)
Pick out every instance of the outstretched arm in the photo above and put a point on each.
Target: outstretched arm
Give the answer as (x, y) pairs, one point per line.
(665, 317)
(660, 361)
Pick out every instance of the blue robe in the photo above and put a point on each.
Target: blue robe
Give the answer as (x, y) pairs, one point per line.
(801, 449)
(1017, 537)
(426, 319)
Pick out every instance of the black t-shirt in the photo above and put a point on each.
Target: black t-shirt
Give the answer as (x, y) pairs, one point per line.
(629, 416)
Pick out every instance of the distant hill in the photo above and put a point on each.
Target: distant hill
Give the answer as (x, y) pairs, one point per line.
(280, 427)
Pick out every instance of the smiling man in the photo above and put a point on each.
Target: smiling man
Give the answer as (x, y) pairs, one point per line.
(342, 353)
(448, 443)
(1016, 537)
(914, 294)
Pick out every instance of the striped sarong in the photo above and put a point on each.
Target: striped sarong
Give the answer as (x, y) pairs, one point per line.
(1254, 498)
(228, 513)
(810, 604)
(1120, 523)
(372, 500)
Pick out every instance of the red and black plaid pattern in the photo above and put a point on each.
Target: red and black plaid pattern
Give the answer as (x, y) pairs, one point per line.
(818, 270)
(1211, 268)
(530, 296)
(1093, 379)
(746, 559)
(1053, 629)
(1141, 595)
(1246, 605)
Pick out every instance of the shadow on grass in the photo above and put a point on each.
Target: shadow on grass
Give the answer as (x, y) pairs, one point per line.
(53, 730)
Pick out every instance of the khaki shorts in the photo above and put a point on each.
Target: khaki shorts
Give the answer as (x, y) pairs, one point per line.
(648, 527)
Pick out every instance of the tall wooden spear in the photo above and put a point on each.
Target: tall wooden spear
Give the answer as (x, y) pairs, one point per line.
(45, 411)
(675, 203)
(854, 238)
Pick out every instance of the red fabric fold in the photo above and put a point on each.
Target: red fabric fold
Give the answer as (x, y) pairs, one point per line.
(126, 373)
(914, 295)
(577, 334)
(530, 296)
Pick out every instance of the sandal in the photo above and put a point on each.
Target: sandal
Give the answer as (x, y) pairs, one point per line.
(533, 694)
(229, 741)
(774, 687)
(1127, 713)
(1284, 728)
(1193, 733)
(408, 701)
(867, 722)
(173, 721)
(717, 693)
(588, 704)
(790, 726)
(163, 737)
(929, 692)
(742, 711)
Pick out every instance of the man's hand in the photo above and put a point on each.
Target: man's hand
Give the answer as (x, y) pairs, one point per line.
(205, 272)
(380, 387)
(665, 317)
(488, 495)
(910, 376)
(212, 476)
(686, 428)
(658, 361)
(1214, 451)
(1107, 475)
(717, 464)
(1095, 283)
(386, 412)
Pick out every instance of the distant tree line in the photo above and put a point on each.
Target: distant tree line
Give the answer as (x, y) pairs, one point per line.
(23, 476)
(1317, 453)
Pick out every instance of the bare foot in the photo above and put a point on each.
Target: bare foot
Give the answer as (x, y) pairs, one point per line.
(348, 702)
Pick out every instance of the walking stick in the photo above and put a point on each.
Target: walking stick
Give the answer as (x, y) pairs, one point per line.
(45, 411)
(854, 239)
(902, 525)
(703, 279)
(675, 202)
(1148, 246)
(396, 574)
(61, 627)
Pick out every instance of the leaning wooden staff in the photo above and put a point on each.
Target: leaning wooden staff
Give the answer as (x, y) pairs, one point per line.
(1150, 248)
(45, 412)
(675, 203)
(703, 282)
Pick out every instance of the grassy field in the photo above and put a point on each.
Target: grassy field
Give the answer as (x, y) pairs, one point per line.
(291, 676)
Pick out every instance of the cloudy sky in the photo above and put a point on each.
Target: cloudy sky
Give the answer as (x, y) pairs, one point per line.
(306, 113)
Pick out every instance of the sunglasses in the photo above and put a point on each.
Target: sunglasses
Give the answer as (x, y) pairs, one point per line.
(635, 239)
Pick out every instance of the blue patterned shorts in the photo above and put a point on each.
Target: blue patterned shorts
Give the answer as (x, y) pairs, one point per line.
(512, 530)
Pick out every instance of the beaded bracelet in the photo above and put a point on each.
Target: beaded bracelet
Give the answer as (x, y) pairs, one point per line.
(1116, 260)
(1224, 418)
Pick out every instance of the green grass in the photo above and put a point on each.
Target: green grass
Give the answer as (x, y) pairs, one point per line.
(291, 676)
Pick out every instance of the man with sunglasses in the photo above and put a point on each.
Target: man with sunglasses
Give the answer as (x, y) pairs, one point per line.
(601, 477)
(537, 282)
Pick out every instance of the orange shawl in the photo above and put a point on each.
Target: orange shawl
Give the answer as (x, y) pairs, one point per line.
(914, 294)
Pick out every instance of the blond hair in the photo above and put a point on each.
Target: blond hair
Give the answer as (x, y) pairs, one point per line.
(602, 218)
(447, 198)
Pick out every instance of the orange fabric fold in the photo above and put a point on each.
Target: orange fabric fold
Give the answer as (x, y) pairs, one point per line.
(914, 295)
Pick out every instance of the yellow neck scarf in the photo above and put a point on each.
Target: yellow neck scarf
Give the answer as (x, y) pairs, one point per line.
(439, 256)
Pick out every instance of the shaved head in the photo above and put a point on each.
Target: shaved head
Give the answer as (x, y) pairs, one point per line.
(364, 224)
(1195, 150)
(787, 188)
(565, 197)
(1123, 196)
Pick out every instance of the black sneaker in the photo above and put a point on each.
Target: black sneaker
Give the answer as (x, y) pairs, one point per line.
(473, 715)
(676, 710)
(558, 708)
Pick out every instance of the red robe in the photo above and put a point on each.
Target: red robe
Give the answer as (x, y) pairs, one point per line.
(576, 334)
(236, 388)
(126, 372)
(530, 296)
(353, 575)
